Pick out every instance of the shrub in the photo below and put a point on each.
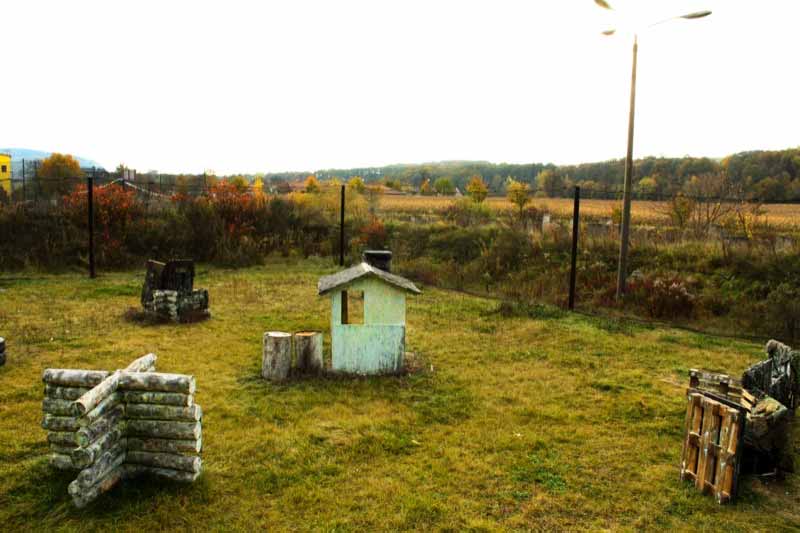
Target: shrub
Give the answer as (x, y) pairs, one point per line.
(465, 212)
(662, 297)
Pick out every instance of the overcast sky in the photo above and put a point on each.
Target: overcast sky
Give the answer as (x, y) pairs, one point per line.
(303, 85)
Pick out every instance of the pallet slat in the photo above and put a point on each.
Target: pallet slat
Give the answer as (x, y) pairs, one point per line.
(711, 448)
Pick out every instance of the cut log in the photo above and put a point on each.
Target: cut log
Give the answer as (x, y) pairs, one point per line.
(158, 382)
(60, 423)
(146, 363)
(73, 378)
(92, 399)
(165, 445)
(87, 435)
(172, 475)
(308, 352)
(165, 460)
(63, 438)
(61, 461)
(109, 460)
(83, 457)
(81, 498)
(163, 412)
(160, 398)
(276, 357)
(163, 429)
(56, 407)
(104, 407)
(64, 393)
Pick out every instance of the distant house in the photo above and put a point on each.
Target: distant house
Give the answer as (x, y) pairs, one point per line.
(368, 317)
(5, 173)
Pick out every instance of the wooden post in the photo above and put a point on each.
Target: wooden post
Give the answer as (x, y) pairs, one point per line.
(308, 352)
(276, 356)
(576, 222)
(341, 231)
(90, 193)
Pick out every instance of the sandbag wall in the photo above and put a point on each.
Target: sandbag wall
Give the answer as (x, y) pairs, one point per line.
(112, 426)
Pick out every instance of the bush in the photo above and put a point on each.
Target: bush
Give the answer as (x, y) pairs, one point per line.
(661, 297)
(465, 212)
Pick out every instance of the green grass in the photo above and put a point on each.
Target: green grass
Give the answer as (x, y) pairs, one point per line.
(527, 419)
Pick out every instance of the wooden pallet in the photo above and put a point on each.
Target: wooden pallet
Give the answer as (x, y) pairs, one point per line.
(712, 447)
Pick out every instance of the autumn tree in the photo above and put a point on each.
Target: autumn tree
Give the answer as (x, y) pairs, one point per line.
(311, 184)
(425, 189)
(356, 184)
(444, 186)
(477, 189)
(549, 183)
(517, 194)
(240, 183)
(58, 173)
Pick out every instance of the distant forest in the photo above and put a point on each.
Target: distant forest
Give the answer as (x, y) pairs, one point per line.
(768, 176)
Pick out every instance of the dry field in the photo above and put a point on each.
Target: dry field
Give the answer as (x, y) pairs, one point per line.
(785, 216)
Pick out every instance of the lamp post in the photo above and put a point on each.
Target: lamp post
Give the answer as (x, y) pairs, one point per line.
(627, 185)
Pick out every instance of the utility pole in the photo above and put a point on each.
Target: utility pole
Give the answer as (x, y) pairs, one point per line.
(622, 273)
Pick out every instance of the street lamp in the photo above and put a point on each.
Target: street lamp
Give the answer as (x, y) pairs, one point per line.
(626, 206)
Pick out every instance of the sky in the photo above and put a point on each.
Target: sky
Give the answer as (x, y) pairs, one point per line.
(233, 86)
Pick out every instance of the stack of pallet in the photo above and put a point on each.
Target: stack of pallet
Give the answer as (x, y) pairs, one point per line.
(112, 426)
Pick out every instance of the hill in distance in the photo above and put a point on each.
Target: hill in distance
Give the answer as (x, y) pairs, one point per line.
(18, 154)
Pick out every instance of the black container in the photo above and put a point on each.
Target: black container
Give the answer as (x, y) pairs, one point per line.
(379, 259)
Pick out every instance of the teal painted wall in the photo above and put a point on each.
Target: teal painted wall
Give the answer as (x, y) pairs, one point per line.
(378, 345)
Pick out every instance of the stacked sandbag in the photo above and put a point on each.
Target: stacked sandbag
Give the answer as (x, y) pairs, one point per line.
(111, 426)
(163, 425)
(61, 388)
(164, 304)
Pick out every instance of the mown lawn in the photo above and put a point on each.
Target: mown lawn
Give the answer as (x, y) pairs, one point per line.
(539, 422)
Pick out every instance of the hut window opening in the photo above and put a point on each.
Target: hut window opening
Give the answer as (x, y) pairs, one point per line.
(352, 307)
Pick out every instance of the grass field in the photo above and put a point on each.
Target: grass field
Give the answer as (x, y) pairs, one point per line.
(785, 216)
(542, 422)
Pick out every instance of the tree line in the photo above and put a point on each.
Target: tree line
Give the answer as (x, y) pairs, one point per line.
(765, 176)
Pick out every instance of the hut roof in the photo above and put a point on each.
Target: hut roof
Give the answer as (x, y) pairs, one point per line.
(334, 281)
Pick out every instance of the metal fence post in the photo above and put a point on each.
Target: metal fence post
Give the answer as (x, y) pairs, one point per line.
(90, 203)
(576, 217)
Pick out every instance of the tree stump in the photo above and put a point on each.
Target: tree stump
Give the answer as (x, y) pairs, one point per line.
(308, 352)
(277, 356)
